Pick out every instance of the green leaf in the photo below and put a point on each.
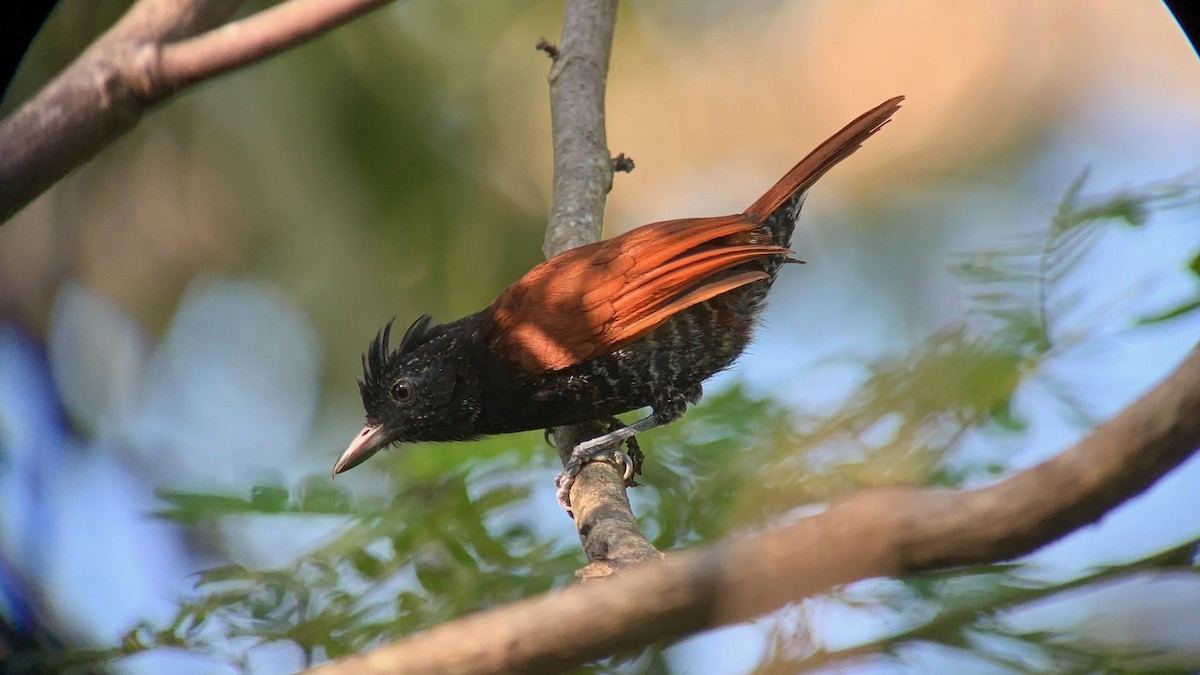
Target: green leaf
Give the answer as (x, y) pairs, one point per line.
(1064, 218)
(318, 494)
(1173, 313)
(223, 574)
(191, 507)
(269, 498)
(367, 564)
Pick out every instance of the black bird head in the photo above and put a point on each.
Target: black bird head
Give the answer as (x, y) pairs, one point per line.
(421, 391)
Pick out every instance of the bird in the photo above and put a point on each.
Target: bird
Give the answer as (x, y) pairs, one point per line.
(639, 320)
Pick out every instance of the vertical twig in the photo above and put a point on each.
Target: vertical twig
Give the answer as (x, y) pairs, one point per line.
(583, 173)
(582, 164)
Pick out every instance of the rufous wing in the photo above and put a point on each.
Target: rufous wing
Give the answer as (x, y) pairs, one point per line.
(597, 298)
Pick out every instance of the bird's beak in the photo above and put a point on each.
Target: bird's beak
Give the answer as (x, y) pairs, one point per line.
(369, 441)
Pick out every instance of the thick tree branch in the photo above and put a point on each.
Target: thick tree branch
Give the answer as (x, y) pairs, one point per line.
(583, 171)
(150, 54)
(879, 532)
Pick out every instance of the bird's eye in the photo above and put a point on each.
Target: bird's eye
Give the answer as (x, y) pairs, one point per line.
(402, 392)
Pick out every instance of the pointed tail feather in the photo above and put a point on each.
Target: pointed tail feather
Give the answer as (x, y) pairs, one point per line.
(839, 146)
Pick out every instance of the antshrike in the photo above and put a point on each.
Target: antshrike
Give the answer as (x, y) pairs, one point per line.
(639, 320)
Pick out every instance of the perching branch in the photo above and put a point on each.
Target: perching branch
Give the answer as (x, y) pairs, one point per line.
(582, 163)
(583, 170)
(157, 49)
(877, 532)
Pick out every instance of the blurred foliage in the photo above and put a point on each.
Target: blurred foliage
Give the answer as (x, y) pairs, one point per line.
(913, 409)
(454, 530)
(966, 610)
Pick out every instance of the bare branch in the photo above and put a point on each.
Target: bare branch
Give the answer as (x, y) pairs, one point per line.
(255, 38)
(605, 522)
(583, 173)
(142, 60)
(582, 164)
(880, 532)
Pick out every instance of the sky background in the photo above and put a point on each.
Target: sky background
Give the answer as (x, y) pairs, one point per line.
(187, 311)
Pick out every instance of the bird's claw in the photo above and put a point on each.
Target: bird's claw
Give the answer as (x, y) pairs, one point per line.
(563, 482)
(581, 456)
(635, 457)
(627, 461)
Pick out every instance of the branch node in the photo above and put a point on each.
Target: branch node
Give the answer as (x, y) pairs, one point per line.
(597, 569)
(544, 45)
(623, 164)
(144, 74)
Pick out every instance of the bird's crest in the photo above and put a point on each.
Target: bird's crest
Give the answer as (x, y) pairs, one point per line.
(379, 357)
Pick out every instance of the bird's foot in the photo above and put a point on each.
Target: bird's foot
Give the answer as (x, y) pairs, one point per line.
(605, 447)
(582, 455)
(632, 449)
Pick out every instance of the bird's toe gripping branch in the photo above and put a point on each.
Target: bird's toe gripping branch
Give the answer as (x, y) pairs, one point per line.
(575, 464)
(604, 448)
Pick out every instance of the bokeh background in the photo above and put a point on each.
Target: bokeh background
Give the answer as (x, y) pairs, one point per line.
(181, 322)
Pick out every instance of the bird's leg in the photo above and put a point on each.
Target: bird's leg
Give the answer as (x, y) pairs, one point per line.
(608, 447)
(633, 450)
(669, 406)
